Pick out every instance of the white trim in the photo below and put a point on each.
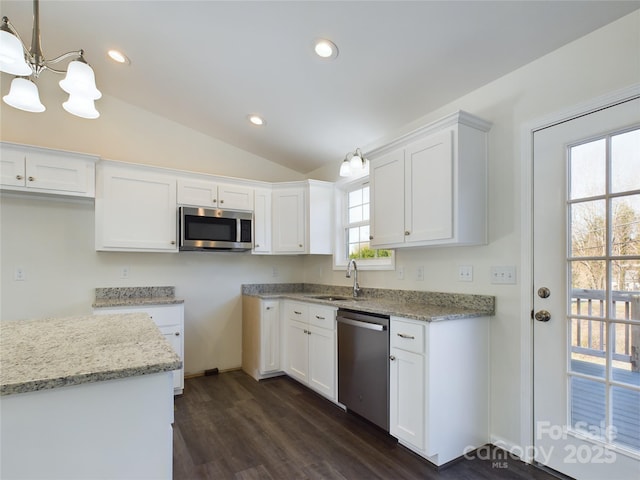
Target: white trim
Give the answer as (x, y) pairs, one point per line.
(526, 253)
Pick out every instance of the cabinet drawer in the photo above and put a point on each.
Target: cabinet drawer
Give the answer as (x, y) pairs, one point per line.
(407, 336)
(296, 311)
(323, 317)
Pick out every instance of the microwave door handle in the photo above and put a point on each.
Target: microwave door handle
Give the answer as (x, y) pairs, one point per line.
(238, 230)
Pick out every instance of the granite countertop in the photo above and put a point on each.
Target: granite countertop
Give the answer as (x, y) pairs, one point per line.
(134, 296)
(56, 352)
(417, 305)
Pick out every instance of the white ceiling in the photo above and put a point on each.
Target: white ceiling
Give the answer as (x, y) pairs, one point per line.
(207, 64)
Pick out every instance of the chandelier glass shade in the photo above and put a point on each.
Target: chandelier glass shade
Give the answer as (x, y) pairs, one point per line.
(353, 163)
(28, 64)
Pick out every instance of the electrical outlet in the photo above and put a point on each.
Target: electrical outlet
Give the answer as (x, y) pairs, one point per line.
(274, 271)
(19, 274)
(503, 275)
(124, 272)
(400, 273)
(465, 273)
(420, 273)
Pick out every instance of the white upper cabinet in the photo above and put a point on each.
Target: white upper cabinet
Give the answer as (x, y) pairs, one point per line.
(262, 221)
(204, 193)
(135, 209)
(302, 217)
(289, 220)
(430, 187)
(42, 170)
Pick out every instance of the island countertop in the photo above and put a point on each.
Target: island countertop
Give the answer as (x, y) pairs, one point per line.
(56, 352)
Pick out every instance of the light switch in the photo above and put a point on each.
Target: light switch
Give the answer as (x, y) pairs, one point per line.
(465, 273)
(503, 275)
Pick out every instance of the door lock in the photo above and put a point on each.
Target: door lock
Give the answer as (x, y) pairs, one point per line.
(544, 292)
(543, 316)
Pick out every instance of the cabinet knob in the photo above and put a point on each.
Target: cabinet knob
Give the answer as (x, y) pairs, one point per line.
(31, 179)
(173, 242)
(308, 332)
(177, 334)
(221, 201)
(19, 177)
(392, 358)
(257, 245)
(300, 245)
(269, 308)
(407, 232)
(370, 237)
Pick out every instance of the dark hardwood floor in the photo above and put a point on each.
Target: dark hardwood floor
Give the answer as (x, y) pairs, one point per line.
(229, 426)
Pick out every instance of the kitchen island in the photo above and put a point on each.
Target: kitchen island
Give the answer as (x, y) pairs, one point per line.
(86, 397)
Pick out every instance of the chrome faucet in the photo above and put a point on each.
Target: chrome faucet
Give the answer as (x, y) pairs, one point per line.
(356, 287)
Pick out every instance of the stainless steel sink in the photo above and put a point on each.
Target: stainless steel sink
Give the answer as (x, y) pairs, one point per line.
(330, 298)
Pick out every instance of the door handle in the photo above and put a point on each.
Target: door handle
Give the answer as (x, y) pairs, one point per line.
(542, 316)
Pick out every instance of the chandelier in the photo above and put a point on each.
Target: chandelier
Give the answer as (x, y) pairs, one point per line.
(353, 163)
(28, 64)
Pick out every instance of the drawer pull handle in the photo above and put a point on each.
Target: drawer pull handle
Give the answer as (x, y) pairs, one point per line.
(320, 318)
(297, 313)
(404, 335)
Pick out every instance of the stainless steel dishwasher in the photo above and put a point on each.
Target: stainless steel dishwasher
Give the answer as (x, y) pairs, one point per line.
(363, 365)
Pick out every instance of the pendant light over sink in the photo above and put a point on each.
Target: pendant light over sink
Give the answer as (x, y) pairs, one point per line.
(28, 64)
(353, 164)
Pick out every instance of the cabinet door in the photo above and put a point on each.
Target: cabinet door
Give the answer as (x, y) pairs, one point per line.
(198, 193)
(322, 361)
(406, 392)
(58, 172)
(174, 336)
(235, 197)
(297, 351)
(262, 221)
(429, 188)
(288, 220)
(387, 199)
(270, 338)
(12, 166)
(136, 211)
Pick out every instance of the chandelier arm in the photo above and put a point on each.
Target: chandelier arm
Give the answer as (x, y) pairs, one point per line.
(59, 58)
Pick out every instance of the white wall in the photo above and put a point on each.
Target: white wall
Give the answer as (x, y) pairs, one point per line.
(602, 62)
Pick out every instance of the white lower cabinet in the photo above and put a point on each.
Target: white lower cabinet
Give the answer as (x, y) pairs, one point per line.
(439, 399)
(261, 334)
(170, 321)
(310, 346)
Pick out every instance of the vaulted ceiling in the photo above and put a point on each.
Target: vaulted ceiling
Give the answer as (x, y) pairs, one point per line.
(208, 64)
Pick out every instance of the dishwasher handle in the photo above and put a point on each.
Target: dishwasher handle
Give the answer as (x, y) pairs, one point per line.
(357, 323)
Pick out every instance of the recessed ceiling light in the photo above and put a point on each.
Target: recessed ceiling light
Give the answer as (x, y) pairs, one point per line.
(325, 48)
(256, 119)
(119, 57)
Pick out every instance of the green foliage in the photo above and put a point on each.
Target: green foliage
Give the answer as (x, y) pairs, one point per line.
(367, 253)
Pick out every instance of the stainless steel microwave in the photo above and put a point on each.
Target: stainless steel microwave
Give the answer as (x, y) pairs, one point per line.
(215, 229)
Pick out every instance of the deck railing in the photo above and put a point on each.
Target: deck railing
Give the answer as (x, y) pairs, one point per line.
(590, 333)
